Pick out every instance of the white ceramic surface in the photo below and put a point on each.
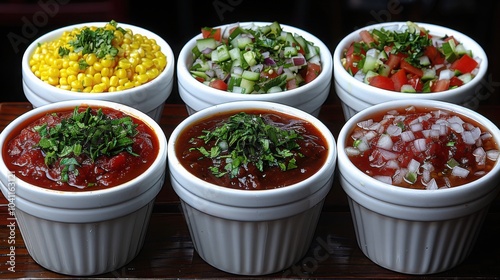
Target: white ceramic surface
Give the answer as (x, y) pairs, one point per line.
(148, 98)
(309, 97)
(91, 232)
(356, 95)
(416, 231)
(251, 232)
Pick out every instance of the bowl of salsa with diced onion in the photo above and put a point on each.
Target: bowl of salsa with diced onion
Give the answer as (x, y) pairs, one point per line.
(421, 168)
(254, 172)
(397, 60)
(263, 61)
(76, 171)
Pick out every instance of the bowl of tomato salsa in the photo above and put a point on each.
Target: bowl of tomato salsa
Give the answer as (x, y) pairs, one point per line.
(407, 60)
(81, 177)
(419, 176)
(255, 173)
(263, 61)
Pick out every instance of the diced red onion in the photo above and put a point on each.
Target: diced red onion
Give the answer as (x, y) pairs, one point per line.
(480, 155)
(468, 138)
(365, 124)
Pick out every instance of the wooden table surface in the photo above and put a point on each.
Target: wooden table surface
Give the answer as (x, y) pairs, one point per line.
(169, 253)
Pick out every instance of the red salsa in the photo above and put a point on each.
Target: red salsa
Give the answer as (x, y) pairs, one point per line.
(81, 149)
(422, 149)
(252, 150)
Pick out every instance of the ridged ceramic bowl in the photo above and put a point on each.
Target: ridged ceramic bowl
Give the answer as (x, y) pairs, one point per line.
(356, 95)
(251, 232)
(309, 97)
(148, 98)
(416, 231)
(83, 233)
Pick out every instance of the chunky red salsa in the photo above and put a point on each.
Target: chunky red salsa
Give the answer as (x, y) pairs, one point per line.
(38, 154)
(422, 149)
(252, 150)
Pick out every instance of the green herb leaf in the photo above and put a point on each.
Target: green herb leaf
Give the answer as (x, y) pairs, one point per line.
(90, 133)
(247, 138)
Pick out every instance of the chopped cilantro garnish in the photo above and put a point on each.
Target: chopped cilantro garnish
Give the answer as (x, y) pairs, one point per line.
(247, 138)
(85, 133)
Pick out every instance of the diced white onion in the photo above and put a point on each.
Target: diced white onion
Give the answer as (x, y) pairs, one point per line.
(492, 155)
(351, 151)
(385, 179)
(420, 144)
(385, 142)
(407, 136)
(432, 185)
(459, 172)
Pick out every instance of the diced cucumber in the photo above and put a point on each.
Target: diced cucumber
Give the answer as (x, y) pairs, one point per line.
(199, 74)
(274, 89)
(467, 77)
(222, 53)
(234, 81)
(370, 74)
(276, 28)
(371, 63)
(290, 51)
(207, 43)
(461, 50)
(236, 32)
(235, 53)
(302, 42)
(384, 70)
(449, 51)
(247, 85)
(407, 89)
(383, 56)
(312, 50)
(290, 40)
(242, 42)
(249, 57)
(249, 75)
(424, 60)
(429, 74)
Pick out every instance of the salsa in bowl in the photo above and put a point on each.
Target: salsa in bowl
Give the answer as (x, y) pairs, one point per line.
(397, 60)
(431, 171)
(264, 61)
(70, 169)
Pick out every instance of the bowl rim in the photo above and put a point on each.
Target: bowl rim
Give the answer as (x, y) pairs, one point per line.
(34, 189)
(326, 62)
(51, 35)
(417, 197)
(265, 197)
(341, 75)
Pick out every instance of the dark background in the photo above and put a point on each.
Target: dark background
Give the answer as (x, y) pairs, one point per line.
(23, 21)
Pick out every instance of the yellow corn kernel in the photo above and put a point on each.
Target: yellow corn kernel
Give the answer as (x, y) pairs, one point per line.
(113, 81)
(142, 79)
(90, 58)
(121, 73)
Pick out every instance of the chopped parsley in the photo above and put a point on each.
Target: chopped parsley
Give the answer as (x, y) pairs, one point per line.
(85, 133)
(247, 138)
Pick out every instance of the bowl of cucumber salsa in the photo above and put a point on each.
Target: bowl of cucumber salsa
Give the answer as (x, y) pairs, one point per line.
(260, 61)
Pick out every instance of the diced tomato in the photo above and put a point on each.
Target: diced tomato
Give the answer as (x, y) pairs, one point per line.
(382, 82)
(209, 32)
(291, 84)
(411, 69)
(218, 84)
(199, 79)
(464, 64)
(269, 75)
(393, 61)
(416, 82)
(440, 85)
(366, 37)
(434, 55)
(352, 59)
(455, 82)
(399, 78)
(313, 71)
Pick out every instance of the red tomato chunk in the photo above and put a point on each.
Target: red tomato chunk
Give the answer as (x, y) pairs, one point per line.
(27, 161)
(422, 149)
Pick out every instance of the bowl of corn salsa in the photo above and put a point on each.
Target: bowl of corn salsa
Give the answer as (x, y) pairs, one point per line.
(109, 61)
(407, 60)
(420, 176)
(261, 61)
